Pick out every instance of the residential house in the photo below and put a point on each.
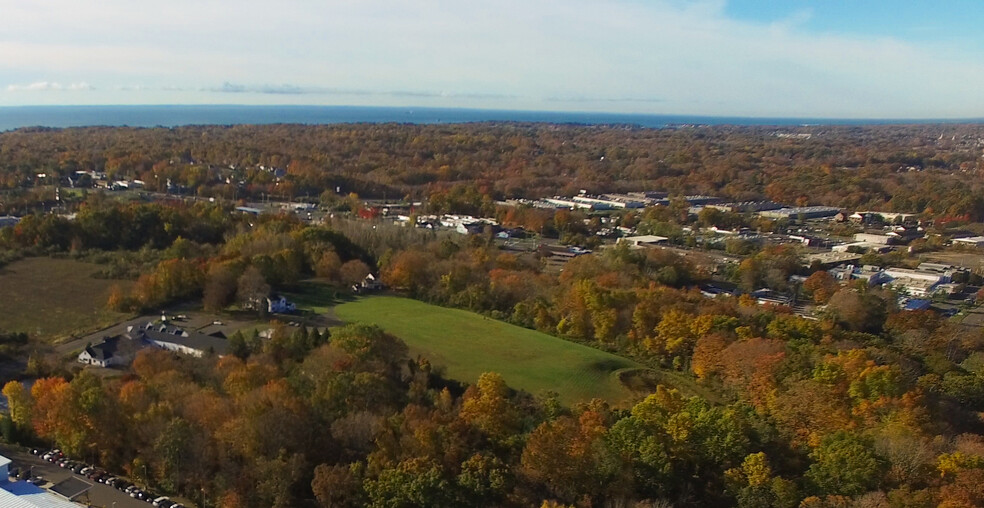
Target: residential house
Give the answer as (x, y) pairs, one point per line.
(278, 304)
(118, 350)
(369, 284)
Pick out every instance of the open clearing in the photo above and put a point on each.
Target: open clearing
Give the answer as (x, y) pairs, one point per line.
(55, 298)
(467, 344)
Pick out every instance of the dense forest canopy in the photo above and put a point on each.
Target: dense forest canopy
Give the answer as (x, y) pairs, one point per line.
(749, 405)
(915, 168)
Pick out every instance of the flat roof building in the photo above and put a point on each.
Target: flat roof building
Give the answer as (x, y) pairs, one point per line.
(746, 206)
(643, 240)
(805, 212)
(973, 241)
(22, 494)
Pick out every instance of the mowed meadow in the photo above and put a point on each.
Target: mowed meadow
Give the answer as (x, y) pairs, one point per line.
(466, 344)
(54, 298)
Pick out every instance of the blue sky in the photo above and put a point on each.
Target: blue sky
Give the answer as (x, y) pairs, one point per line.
(797, 58)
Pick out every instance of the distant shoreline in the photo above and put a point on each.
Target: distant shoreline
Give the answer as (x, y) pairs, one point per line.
(14, 117)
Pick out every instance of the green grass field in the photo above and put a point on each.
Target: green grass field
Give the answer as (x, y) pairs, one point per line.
(467, 344)
(55, 298)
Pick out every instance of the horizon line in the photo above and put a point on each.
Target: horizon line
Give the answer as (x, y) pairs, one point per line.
(410, 108)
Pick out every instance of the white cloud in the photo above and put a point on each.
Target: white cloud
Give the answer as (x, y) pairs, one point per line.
(626, 56)
(46, 86)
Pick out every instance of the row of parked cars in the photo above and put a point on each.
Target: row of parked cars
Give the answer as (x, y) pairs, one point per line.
(100, 475)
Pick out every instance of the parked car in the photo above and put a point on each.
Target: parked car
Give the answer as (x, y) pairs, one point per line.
(121, 484)
(37, 480)
(86, 470)
(78, 468)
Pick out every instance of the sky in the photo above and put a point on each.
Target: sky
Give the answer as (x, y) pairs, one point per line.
(761, 58)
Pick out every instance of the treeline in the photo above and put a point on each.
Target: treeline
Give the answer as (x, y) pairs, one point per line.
(350, 419)
(107, 225)
(464, 168)
(177, 251)
(356, 422)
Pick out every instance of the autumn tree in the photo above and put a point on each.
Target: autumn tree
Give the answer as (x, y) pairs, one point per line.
(252, 288)
(353, 271)
(19, 402)
(845, 463)
(820, 285)
(487, 406)
(220, 287)
(328, 266)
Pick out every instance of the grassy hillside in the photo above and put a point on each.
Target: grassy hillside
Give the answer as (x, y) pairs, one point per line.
(467, 344)
(54, 298)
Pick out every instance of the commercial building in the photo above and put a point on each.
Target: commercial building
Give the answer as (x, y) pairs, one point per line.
(917, 283)
(972, 241)
(830, 259)
(878, 239)
(701, 200)
(643, 240)
(746, 206)
(23, 494)
(649, 194)
(805, 212)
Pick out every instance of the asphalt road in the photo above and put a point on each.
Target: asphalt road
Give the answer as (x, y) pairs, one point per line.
(99, 495)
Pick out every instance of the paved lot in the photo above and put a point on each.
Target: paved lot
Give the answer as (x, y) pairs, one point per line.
(99, 495)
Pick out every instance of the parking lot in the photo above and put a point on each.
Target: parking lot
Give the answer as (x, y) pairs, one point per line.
(98, 495)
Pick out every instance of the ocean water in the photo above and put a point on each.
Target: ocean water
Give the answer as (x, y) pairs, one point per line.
(14, 117)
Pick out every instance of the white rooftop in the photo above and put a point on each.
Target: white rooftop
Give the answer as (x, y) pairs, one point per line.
(25, 495)
(645, 239)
